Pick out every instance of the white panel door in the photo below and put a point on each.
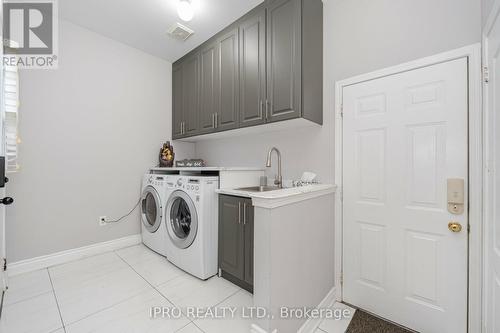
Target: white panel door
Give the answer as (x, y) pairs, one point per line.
(404, 135)
(492, 188)
(3, 272)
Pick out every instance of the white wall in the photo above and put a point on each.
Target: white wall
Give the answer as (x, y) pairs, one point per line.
(359, 36)
(89, 130)
(486, 7)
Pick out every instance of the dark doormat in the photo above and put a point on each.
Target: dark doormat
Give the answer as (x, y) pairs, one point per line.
(363, 322)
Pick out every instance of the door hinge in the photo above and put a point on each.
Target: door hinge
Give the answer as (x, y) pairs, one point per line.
(342, 110)
(486, 74)
(4, 264)
(342, 278)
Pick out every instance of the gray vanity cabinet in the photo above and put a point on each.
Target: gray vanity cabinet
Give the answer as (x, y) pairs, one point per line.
(253, 69)
(228, 77)
(283, 59)
(248, 215)
(208, 88)
(236, 240)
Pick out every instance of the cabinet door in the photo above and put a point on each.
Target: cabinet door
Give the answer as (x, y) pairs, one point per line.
(228, 92)
(177, 101)
(284, 59)
(208, 88)
(253, 70)
(248, 235)
(231, 252)
(191, 87)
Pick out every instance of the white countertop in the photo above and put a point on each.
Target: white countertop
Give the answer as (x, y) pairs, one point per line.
(286, 196)
(212, 168)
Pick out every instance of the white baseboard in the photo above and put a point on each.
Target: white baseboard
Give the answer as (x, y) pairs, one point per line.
(311, 324)
(29, 265)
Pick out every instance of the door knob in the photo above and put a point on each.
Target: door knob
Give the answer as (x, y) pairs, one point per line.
(455, 227)
(6, 201)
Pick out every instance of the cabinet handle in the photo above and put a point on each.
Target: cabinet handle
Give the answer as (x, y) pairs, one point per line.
(267, 109)
(239, 212)
(216, 120)
(182, 127)
(213, 120)
(244, 213)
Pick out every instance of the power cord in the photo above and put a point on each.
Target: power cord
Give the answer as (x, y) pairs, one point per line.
(124, 216)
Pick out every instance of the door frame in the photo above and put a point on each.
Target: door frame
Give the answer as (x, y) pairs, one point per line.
(489, 162)
(476, 165)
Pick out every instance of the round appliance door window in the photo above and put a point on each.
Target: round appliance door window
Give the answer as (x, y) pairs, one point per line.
(182, 223)
(151, 210)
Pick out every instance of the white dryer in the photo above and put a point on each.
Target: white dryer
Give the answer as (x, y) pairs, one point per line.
(191, 218)
(152, 206)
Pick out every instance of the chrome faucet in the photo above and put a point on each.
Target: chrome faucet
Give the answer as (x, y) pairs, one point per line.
(279, 179)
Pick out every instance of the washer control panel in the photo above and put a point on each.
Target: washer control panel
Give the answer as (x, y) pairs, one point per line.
(156, 180)
(188, 184)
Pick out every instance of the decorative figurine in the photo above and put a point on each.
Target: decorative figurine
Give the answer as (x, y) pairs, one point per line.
(167, 155)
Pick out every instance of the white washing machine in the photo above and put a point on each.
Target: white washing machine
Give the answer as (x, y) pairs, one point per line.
(153, 230)
(191, 219)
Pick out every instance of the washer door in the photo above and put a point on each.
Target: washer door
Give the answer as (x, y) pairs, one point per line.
(151, 209)
(182, 220)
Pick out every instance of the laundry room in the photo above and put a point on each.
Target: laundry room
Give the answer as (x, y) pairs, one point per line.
(249, 166)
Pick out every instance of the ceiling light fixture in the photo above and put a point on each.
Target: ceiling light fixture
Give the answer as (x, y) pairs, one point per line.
(185, 10)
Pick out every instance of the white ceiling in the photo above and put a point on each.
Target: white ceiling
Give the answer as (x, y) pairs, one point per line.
(143, 23)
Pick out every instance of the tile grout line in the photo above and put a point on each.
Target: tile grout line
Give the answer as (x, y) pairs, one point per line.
(161, 294)
(57, 302)
(106, 308)
(171, 302)
(198, 327)
(28, 298)
(228, 297)
(142, 277)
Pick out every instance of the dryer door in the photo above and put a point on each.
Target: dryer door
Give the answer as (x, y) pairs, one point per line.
(151, 209)
(182, 219)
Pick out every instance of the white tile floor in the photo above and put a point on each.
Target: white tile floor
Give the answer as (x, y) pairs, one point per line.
(114, 292)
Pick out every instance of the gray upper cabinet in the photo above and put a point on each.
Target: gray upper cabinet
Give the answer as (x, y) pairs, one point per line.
(283, 59)
(253, 69)
(190, 92)
(208, 88)
(228, 78)
(265, 67)
(177, 101)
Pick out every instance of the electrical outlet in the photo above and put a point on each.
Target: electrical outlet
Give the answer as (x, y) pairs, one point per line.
(102, 221)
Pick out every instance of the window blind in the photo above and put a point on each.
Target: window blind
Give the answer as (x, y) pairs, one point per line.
(10, 121)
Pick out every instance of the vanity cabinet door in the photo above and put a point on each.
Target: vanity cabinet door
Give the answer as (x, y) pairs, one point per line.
(248, 213)
(231, 242)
